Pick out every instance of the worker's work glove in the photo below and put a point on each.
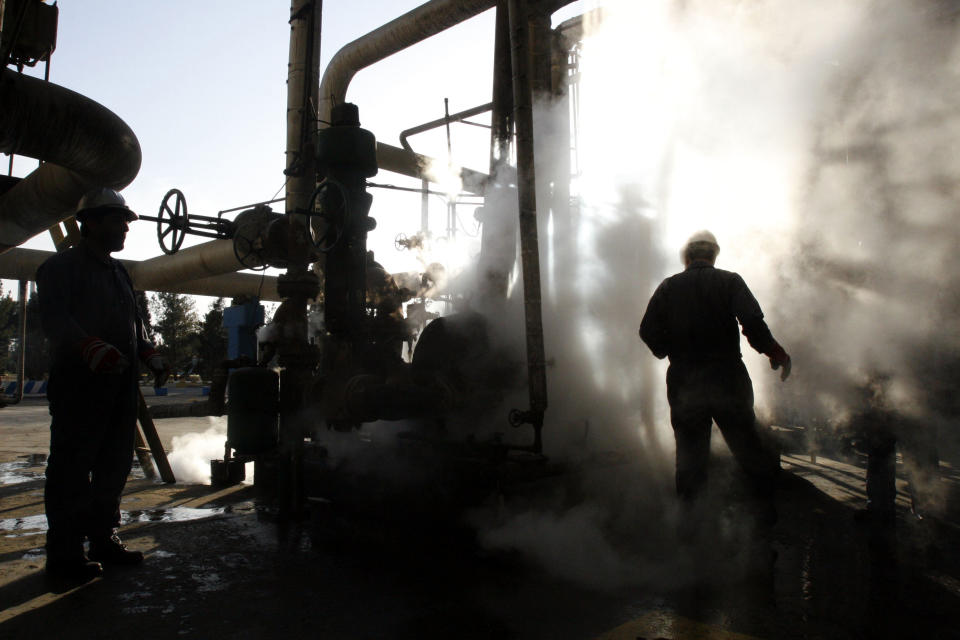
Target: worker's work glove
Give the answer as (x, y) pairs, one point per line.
(158, 367)
(102, 357)
(779, 358)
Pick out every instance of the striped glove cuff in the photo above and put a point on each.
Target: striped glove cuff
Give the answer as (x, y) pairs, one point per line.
(101, 357)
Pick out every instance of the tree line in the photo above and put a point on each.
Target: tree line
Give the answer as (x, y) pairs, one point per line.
(187, 341)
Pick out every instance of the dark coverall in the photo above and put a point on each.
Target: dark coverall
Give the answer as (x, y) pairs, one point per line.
(692, 319)
(93, 415)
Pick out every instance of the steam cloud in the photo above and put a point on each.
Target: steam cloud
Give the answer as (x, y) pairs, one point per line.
(192, 453)
(817, 143)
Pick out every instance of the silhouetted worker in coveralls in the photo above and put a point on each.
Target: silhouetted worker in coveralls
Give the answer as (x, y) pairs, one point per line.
(89, 312)
(692, 319)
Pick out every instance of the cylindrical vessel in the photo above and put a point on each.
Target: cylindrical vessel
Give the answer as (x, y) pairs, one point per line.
(253, 410)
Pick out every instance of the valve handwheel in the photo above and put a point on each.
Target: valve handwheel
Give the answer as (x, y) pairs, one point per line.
(334, 205)
(175, 219)
(249, 252)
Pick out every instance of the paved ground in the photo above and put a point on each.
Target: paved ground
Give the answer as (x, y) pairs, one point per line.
(603, 564)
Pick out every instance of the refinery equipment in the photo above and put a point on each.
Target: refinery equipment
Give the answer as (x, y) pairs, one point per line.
(353, 370)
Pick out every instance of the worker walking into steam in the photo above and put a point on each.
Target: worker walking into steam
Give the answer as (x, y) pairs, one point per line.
(89, 312)
(692, 319)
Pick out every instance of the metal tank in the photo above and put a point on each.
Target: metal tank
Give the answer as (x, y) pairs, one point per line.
(253, 410)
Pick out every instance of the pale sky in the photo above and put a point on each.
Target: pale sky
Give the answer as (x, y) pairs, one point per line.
(203, 86)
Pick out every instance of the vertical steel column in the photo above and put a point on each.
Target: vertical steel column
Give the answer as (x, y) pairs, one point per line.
(527, 199)
(499, 237)
(298, 284)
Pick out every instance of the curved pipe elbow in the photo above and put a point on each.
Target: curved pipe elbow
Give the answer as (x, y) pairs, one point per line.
(415, 26)
(83, 144)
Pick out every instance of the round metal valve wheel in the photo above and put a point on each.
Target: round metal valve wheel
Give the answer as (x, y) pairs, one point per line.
(172, 221)
(334, 210)
(249, 252)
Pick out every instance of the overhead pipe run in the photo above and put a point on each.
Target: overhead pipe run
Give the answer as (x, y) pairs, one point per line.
(433, 124)
(22, 264)
(82, 143)
(425, 21)
(415, 26)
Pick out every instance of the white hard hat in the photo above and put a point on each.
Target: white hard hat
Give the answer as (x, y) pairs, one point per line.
(703, 236)
(103, 200)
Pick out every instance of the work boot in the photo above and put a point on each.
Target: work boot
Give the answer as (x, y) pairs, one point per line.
(877, 517)
(66, 565)
(110, 551)
(72, 570)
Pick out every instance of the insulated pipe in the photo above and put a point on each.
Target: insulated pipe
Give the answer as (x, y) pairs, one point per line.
(83, 145)
(199, 261)
(22, 264)
(412, 164)
(425, 21)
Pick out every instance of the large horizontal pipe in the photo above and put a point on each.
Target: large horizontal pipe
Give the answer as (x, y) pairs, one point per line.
(82, 143)
(415, 165)
(199, 261)
(22, 264)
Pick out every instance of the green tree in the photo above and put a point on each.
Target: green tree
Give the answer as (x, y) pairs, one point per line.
(143, 306)
(176, 326)
(213, 339)
(37, 358)
(8, 331)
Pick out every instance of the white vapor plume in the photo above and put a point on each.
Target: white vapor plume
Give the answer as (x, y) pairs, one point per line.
(817, 142)
(192, 453)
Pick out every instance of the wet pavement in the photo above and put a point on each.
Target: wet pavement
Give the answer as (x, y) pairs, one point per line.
(605, 564)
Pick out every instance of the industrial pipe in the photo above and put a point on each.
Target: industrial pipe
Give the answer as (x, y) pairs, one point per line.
(83, 145)
(22, 264)
(433, 124)
(527, 197)
(415, 165)
(415, 26)
(199, 261)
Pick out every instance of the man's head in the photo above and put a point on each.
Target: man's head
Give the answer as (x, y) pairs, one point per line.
(103, 216)
(701, 246)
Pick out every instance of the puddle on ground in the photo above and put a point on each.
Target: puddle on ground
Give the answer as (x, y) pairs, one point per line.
(34, 525)
(19, 471)
(172, 514)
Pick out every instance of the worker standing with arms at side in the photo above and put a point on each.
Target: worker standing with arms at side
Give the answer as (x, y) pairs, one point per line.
(692, 319)
(89, 312)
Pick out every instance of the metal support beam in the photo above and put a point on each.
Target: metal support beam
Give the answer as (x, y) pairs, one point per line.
(527, 199)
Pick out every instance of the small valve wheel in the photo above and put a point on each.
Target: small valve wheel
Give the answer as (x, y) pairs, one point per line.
(172, 222)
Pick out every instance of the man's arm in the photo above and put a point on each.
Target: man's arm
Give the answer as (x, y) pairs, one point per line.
(145, 349)
(654, 329)
(53, 289)
(758, 334)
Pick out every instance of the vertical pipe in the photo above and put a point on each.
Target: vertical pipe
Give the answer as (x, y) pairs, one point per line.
(501, 120)
(298, 284)
(424, 206)
(527, 199)
(446, 117)
(302, 69)
(451, 204)
(499, 237)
